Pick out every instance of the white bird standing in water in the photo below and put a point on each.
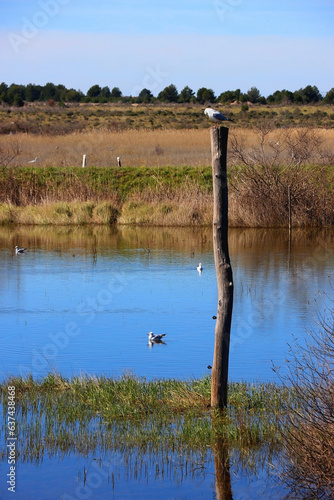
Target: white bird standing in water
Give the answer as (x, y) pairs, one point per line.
(199, 267)
(155, 338)
(216, 116)
(19, 250)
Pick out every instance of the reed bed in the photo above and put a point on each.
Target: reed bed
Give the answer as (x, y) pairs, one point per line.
(136, 148)
(174, 196)
(83, 412)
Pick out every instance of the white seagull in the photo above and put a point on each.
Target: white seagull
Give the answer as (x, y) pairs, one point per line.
(33, 161)
(216, 116)
(19, 250)
(155, 338)
(200, 267)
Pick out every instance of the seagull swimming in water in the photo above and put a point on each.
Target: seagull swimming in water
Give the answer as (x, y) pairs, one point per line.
(156, 338)
(19, 250)
(199, 267)
(216, 116)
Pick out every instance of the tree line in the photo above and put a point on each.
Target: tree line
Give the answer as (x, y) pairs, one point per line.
(17, 95)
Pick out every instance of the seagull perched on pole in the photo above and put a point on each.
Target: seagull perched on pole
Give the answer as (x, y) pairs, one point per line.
(33, 161)
(216, 116)
(156, 338)
(19, 250)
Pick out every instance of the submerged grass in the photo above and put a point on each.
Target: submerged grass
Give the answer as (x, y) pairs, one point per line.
(84, 413)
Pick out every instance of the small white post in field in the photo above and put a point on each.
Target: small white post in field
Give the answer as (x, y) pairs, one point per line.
(83, 161)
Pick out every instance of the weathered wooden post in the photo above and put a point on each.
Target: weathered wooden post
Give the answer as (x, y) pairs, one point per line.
(224, 274)
(290, 208)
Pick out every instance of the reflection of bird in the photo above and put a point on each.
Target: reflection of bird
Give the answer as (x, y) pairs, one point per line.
(119, 161)
(33, 161)
(216, 116)
(19, 250)
(199, 267)
(156, 338)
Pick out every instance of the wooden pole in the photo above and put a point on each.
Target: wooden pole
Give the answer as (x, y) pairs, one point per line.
(290, 208)
(224, 274)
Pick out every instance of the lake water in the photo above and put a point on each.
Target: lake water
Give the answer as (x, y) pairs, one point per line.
(82, 300)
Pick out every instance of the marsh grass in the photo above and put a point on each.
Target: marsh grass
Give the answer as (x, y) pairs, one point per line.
(165, 178)
(84, 413)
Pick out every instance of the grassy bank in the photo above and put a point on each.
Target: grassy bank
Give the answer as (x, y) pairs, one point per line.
(166, 196)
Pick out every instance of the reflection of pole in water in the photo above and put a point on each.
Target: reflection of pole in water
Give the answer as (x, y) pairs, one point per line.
(222, 469)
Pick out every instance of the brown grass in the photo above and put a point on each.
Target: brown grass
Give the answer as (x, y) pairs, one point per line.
(153, 148)
(186, 206)
(60, 213)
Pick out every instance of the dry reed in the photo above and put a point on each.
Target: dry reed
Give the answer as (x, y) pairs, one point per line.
(152, 148)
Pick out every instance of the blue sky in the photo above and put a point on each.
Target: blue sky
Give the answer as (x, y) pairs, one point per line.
(132, 44)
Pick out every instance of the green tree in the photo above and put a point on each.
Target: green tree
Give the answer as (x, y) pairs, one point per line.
(329, 97)
(311, 94)
(298, 97)
(168, 94)
(94, 91)
(145, 95)
(116, 93)
(253, 95)
(60, 92)
(3, 87)
(3, 92)
(205, 95)
(33, 92)
(186, 94)
(73, 95)
(229, 96)
(16, 94)
(48, 92)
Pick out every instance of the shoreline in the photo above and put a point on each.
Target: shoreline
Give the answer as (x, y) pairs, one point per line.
(171, 214)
